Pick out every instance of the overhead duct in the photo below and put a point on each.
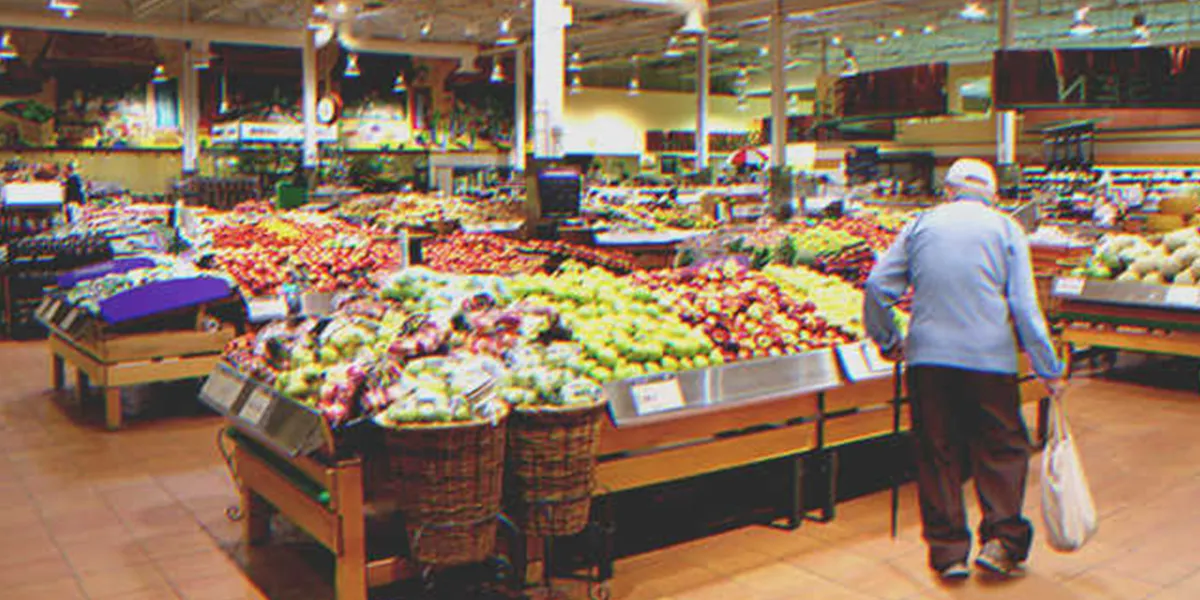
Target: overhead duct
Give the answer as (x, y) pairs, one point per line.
(228, 34)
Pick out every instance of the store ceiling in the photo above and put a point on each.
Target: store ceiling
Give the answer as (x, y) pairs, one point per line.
(610, 34)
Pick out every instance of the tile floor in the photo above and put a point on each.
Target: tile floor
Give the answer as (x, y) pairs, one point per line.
(140, 515)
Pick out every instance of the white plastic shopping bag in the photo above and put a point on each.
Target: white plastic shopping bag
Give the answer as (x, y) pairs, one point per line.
(1068, 511)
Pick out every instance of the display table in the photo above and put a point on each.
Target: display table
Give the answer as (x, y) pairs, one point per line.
(650, 249)
(115, 360)
(1133, 316)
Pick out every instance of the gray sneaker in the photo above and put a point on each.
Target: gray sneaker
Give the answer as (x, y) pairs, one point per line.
(996, 559)
(958, 571)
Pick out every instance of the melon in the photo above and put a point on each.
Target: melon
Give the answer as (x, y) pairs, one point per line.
(1185, 278)
(1154, 278)
(1146, 264)
(1129, 276)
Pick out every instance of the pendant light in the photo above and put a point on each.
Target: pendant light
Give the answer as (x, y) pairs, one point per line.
(929, 29)
(400, 86)
(201, 56)
(575, 64)
(224, 107)
(850, 65)
(427, 27)
(352, 66)
(576, 86)
(160, 74)
(634, 88)
(68, 8)
(1081, 26)
(506, 37)
(973, 11)
(497, 72)
(673, 50)
(1141, 30)
(7, 50)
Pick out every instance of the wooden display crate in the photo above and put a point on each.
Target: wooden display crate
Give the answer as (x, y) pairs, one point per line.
(112, 360)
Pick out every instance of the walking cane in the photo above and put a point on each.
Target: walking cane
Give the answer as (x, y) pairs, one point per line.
(897, 390)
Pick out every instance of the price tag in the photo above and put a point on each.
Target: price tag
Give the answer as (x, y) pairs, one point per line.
(657, 396)
(854, 361)
(43, 306)
(222, 389)
(256, 407)
(70, 319)
(316, 304)
(270, 308)
(748, 211)
(1183, 295)
(1069, 286)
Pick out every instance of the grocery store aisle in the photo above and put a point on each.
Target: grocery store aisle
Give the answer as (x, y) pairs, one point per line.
(140, 515)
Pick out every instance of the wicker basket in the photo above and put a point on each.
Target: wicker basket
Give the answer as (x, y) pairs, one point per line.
(552, 467)
(445, 480)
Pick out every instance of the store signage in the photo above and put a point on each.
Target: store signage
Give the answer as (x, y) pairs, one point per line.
(657, 396)
(875, 360)
(269, 133)
(1135, 77)
(222, 389)
(1183, 295)
(903, 91)
(856, 365)
(256, 407)
(32, 194)
(1069, 286)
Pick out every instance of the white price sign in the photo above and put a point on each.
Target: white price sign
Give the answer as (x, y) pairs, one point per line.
(222, 389)
(657, 396)
(256, 407)
(875, 360)
(854, 361)
(1069, 286)
(266, 309)
(1183, 295)
(43, 308)
(70, 319)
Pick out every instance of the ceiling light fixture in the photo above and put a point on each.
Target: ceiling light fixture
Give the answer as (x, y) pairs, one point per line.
(575, 63)
(576, 86)
(673, 50)
(160, 74)
(1141, 30)
(506, 35)
(352, 66)
(764, 51)
(497, 72)
(427, 27)
(836, 40)
(879, 39)
(742, 103)
(400, 86)
(1081, 27)
(929, 29)
(68, 8)
(898, 32)
(973, 11)
(7, 50)
(635, 86)
(319, 9)
(340, 9)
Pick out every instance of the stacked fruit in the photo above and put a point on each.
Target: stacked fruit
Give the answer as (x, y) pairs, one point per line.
(839, 302)
(480, 253)
(744, 313)
(623, 328)
(877, 237)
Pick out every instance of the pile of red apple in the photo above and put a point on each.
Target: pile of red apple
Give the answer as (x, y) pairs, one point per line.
(744, 313)
(480, 254)
(875, 235)
(263, 270)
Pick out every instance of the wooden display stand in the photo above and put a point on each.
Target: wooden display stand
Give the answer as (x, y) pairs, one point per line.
(335, 518)
(112, 362)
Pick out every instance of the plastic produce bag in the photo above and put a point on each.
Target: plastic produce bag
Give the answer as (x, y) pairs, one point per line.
(1068, 511)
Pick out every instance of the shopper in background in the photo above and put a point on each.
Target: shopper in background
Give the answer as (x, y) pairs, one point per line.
(73, 185)
(974, 301)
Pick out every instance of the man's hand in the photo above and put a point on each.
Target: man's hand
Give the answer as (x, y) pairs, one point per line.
(1055, 387)
(895, 353)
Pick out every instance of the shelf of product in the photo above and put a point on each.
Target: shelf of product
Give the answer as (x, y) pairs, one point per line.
(492, 254)
(34, 264)
(429, 212)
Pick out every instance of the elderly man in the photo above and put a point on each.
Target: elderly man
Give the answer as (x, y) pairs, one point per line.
(974, 301)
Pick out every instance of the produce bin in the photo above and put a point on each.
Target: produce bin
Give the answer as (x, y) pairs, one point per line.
(290, 195)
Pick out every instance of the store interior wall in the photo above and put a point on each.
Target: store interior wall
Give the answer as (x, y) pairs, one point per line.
(610, 122)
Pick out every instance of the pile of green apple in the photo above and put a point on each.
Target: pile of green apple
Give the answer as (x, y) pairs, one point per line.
(1129, 257)
(624, 330)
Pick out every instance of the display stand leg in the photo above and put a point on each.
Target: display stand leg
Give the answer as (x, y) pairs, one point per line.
(58, 371)
(112, 407)
(81, 386)
(351, 576)
(795, 505)
(256, 517)
(828, 468)
(606, 529)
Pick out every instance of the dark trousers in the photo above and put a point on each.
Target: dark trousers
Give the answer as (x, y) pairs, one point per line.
(969, 422)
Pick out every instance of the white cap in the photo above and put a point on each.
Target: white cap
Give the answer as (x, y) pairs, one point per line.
(972, 174)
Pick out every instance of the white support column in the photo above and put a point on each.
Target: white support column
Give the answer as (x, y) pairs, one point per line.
(189, 100)
(778, 54)
(520, 111)
(308, 59)
(1006, 120)
(549, 44)
(703, 70)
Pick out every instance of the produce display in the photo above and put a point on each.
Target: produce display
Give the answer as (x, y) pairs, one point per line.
(265, 252)
(492, 254)
(743, 312)
(416, 211)
(90, 293)
(1173, 258)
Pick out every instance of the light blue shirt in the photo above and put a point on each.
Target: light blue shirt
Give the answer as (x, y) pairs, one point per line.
(974, 296)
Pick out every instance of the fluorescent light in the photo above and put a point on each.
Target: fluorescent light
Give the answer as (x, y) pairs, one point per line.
(352, 66)
(973, 11)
